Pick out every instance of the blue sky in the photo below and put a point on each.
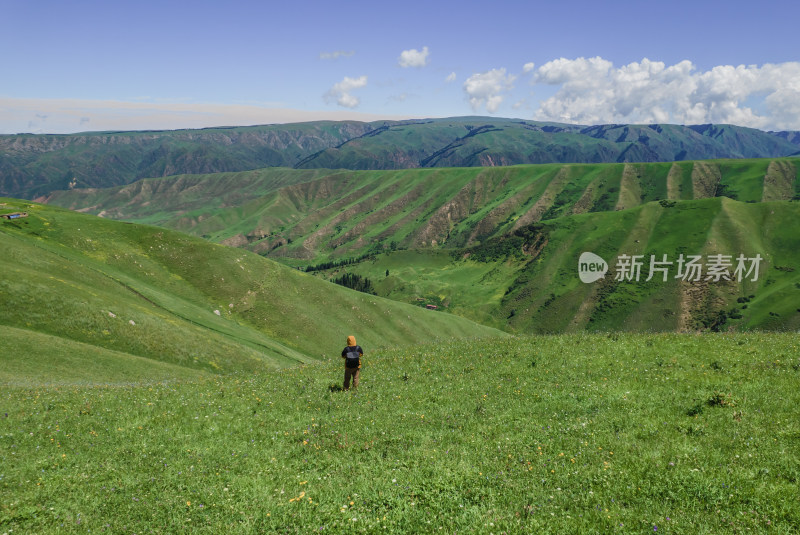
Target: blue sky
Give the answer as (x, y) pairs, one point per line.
(77, 66)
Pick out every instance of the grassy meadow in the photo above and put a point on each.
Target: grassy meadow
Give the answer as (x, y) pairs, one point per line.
(76, 290)
(157, 382)
(582, 433)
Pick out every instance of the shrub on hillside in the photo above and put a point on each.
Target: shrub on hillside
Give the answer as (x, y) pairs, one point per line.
(355, 282)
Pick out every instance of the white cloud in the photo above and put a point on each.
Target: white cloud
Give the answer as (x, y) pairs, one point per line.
(564, 70)
(594, 91)
(528, 67)
(486, 89)
(336, 54)
(340, 92)
(414, 57)
(450, 77)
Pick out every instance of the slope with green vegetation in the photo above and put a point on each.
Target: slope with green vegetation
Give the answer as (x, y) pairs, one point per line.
(78, 291)
(335, 214)
(616, 433)
(528, 281)
(522, 228)
(32, 166)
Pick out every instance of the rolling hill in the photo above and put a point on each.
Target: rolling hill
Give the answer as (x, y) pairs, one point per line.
(83, 296)
(501, 245)
(528, 282)
(32, 166)
(308, 216)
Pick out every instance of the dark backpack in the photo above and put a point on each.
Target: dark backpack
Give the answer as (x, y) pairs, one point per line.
(352, 356)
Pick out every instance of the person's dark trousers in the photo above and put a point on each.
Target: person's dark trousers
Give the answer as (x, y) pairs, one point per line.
(348, 373)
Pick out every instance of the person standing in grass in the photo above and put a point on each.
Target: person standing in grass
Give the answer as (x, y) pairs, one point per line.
(352, 362)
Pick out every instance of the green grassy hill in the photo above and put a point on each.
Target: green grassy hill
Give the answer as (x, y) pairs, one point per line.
(308, 216)
(84, 295)
(418, 224)
(32, 166)
(528, 282)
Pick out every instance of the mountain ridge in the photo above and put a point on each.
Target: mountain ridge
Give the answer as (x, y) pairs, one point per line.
(32, 166)
(275, 211)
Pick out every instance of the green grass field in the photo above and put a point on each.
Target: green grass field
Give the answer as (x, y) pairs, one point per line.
(557, 434)
(97, 290)
(153, 382)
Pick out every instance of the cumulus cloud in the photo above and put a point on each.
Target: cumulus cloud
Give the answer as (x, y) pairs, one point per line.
(593, 90)
(414, 57)
(341, 92)
(450, 77)
(528, 67)
(336, 54)
(487, 88)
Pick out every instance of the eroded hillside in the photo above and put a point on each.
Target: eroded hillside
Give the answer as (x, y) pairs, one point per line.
(500, 245)
(303, 217)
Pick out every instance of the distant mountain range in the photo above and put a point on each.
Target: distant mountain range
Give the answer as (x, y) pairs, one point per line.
(32, 166)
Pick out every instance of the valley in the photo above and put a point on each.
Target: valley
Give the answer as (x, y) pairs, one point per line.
(95, 292)
(505, 240)
(538, 356)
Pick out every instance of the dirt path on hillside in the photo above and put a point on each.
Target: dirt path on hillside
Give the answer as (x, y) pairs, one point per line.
(488, 225)
(589, 303)
(457, 209)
